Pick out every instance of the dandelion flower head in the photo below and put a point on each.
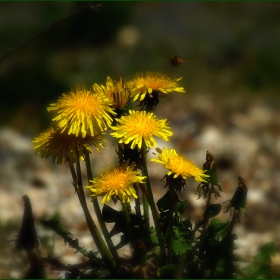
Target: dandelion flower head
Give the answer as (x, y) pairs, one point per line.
(116, 181)
(179, 165)
(82, 112)
(149, 82)
(63, 147)
(118, 92)
(139, 126)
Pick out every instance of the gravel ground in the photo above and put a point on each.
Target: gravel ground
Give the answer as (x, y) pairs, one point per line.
(243, 135)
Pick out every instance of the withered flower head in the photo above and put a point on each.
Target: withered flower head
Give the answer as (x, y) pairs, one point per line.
(238, 201)
(211, 185)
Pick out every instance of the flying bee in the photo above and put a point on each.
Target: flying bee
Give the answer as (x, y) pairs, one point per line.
(176, 60)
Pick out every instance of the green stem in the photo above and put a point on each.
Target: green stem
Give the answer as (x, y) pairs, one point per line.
(145, 200)
(128, 224)
(232, 223)
(228, 254)
(170, 224)
(209, 194)
(139, 216)
(98, 212)
(105, 253)
(153, 207)
(146, 212)
(206, 220)
(181, 266)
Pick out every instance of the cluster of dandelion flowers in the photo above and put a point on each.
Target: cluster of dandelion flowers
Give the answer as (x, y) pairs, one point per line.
(139, 126)
(117, 182)
(63, 147)
(82, 112)
(179, 165)
(150, 82)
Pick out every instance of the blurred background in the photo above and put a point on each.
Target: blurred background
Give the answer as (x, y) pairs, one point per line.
(231, 104)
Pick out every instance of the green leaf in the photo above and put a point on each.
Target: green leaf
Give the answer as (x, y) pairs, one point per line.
(217, 228)
(176, 231)
(212, 210)
(164, 202)
(167, 271)
(180, 206)
(153, 235)
(261, 268)
(56, 227)
(187, 223)
(111, 215)
(239, 259)
(266, 252)
(180, 246)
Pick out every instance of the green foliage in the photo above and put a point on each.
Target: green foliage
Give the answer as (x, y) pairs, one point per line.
(217, 229)
(167, 271)
(110, 215)
(205, 250)
(67, 237)
(164, 203)
(261, 265)
(180, 246)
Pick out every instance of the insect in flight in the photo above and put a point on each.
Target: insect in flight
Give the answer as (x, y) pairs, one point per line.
(176, 60)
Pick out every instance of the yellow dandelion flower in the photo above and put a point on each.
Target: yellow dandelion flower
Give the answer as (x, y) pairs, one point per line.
(82, 112)
(149, 82)
(119, 93)
(62, 147)
(117, 182)
(179, 165)
(139, 126)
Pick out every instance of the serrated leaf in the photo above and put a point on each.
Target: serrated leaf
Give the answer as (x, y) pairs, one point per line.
(239, 259)
(180, 246)
(266, 252)
(56, 227)
(212, 210)
(164, 202)
(167, 271)
(111, 215)
(187, 223)
(180, 206)
(217, 228)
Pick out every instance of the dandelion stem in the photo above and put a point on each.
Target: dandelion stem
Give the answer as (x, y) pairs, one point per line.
(139, 217)
(146, 209)
(170, 224)
(105, 253)
(128, 224)
(228, 255)
(98, 212)
(209, 194)
(181, 266)
(146, 212)
(153, 207)
(232, 223)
